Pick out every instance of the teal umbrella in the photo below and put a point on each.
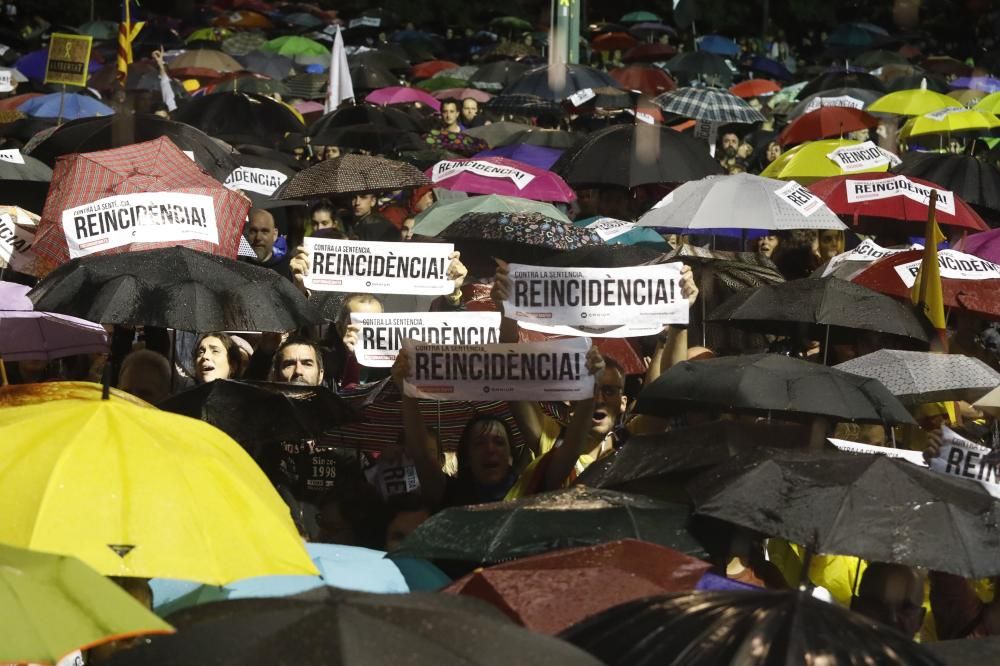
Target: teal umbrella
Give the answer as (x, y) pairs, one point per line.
(100, 30)
(439, 217)
(640, 17)
(635, 236)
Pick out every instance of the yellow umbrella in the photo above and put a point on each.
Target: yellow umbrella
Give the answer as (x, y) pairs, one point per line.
(966, 96)
(53, 604)
(808, 162)
(989, 104)
(912, 102)
(32, 394)
(947, 121)
(133, 491)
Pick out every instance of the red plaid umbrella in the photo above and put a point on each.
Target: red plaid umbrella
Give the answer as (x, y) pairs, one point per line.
(884, 213)
(650, 80)
(152, 166)
(825, 122)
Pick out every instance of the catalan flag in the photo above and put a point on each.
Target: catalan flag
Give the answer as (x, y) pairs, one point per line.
(127, 32)
(927, 291)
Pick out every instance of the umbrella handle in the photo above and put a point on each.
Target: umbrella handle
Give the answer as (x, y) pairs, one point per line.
(3, 373)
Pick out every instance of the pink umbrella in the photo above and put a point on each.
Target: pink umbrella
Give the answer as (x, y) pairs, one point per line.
(498, 175)
(985, 245)
(401, 95)
(29, 335)
(308, 106)
(463, 93)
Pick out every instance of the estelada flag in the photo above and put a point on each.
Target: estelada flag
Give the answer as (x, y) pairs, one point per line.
(127, 32)
(927, 292)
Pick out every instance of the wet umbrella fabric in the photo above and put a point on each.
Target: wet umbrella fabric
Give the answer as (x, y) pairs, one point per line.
(27, 334)
(401, 95)
(351, 174)
(579, 516)
(543, 185)
(826, 122)
(770, 383)
(66, 106)
(708, 628)
(557, 82)
(537, 136)
(841, 79)
(438, 217)
(26, 184)
(240, 118)
(499, 133)
(537, 156)
(974, 180)
(174, 288)
(365, 115)
(711, 104)
(268, 64)
(519, 237)
(700, 65)
(918, 377)
(911, 515)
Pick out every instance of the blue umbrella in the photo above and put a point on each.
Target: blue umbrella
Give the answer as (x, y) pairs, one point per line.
(33, 64)
(987, 84)
(636, 236)
(542, 157)
(719, 45)
(72, 105)
(768, 67)
(347, 567)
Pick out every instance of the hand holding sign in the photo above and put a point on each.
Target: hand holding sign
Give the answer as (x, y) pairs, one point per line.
(689, 288)
(351, 334)
(500, 291)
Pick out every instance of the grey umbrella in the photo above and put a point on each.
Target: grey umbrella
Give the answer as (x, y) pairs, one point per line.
(351, 174)
(713, 104)
(917, 377)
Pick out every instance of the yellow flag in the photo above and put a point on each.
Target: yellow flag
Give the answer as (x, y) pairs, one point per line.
(927, 291)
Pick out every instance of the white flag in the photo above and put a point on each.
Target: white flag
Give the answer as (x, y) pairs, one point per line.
(340, 87)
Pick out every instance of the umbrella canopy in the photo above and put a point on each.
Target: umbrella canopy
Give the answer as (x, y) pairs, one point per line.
(263, 85)
(718, 106)
(24, 183)
(522, 104)
(770, 383)
(133, 491)
(578, 516)
(947, 121)
(204, 60)
(369, 138)
(826, 122)
(919, 377)
(422, 629)
(68, 106)
(820, 303)
(294, 45)
(29, 335)
(151, 166)
(989, 104)
(401, 95)
(700, 66)
(634, 155)
(648, 80)
(985, 245)
(537, 156)
(463, 94)
(426, 70)
(754, 88)
(725, 627)
(912, 103)
(55, 604)
(718, 45)
(976, 181)
(498, 133)
(438, 217)
(915, 80)
(258, 177)
(825, 496)
(487, 176)
(174, 288)
(241, 118)
(372, 77)
(34, 64)
(550, 592)
(519, 237)
(533, 136)
(652, 53)
(740, 201)
(365, 115)
(351, 174)
(839, 78)
(457, 143)
(809, 162)
(496, 76)
(961, 652)
(268, 64)
(899, 198)
(856, 98)
(557, 82)
(245, 43)
(381, 58)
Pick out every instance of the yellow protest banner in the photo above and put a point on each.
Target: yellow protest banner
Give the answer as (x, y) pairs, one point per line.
(69, 56)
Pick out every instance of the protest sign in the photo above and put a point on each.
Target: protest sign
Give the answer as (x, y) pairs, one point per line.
(555, 370)
(841, 100)
(626, 331)
(381, 335)
(953, 265)
(799, 198)
(609, 228)
(861, 157)
(68, 59)
(582, 96)
(897, 186)
(914, 457)
(13, 155)
(640, 295)
(642, 116)
(967, 460)
(447, 168)
(145, 217)
(365, 22)
(251, 179)
(15, 245)
(867, 252)
(378, 267)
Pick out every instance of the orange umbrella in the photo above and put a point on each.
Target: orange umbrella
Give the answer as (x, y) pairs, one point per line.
(754, 88)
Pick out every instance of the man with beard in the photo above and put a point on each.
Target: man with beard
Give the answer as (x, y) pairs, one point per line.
(297, 361)
(729, 145)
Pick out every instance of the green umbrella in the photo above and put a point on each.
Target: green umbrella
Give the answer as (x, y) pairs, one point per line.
(510, 23)
(52, 605)
(293, 45)
(641, 17)
(437, 218)
(100, 30)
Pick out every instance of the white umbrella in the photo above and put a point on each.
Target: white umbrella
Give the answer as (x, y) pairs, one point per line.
(917, 377)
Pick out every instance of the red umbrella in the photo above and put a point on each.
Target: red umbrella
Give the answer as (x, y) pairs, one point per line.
(649, 80)
(826, 122)
(153, 166)
(649, 53)
(754, 88)
(11, 103)
(613, 41)
(975, 296)
(550, 592)
(462, 93)
(886, 197)
(426, 70)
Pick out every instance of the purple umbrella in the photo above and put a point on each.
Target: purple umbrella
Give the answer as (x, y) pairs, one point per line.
(29, 335)
(537, 156)
(498, 175)
(401, 95)
(985, 245)
(33, 64)
(986, 84)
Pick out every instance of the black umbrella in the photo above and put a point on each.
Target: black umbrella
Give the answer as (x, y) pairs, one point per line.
(174, 288)
(364, 115)
(374, 140)
(550, 138)
(916, 81)
(351, 174)
(557, 82)
(269, 64)
(371, 77)
(842, 79)
(862, 95)
(520, 237)
(88, 135)
(700, 65)
(521, 104)
(25, 185)
(813, 305)
(496, 76)
(760, 628)
(340, 628)
(966, 652)
(390, 60)
(578, 516)
(973, 179)
(877, 508)
(286, 160)
(605, 256)
(497, 133)
(269, 172)
(770, 383)
(633, 155)
(241, 118)
(260, 85)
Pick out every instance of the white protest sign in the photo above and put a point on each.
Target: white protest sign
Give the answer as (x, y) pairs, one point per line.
(915, 457)
(582, 96)
(382, 335)
(861, 157)
(845, 101)
(13, 155)
(964, 459)
(703, 129)
(555, 370)
(609, 228)
(145, 217)
(642, 116)
(251, 179)
(393, 477)
(638, 295)
(953, 265)
(365, 21)
(378, 267)
(6, 79)
(190, 155)
(447, 168)
(859, 191)
(868, 251)
(626, 331)
(941, 114)
(3, 49)
(799, 198)
(15, 245)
